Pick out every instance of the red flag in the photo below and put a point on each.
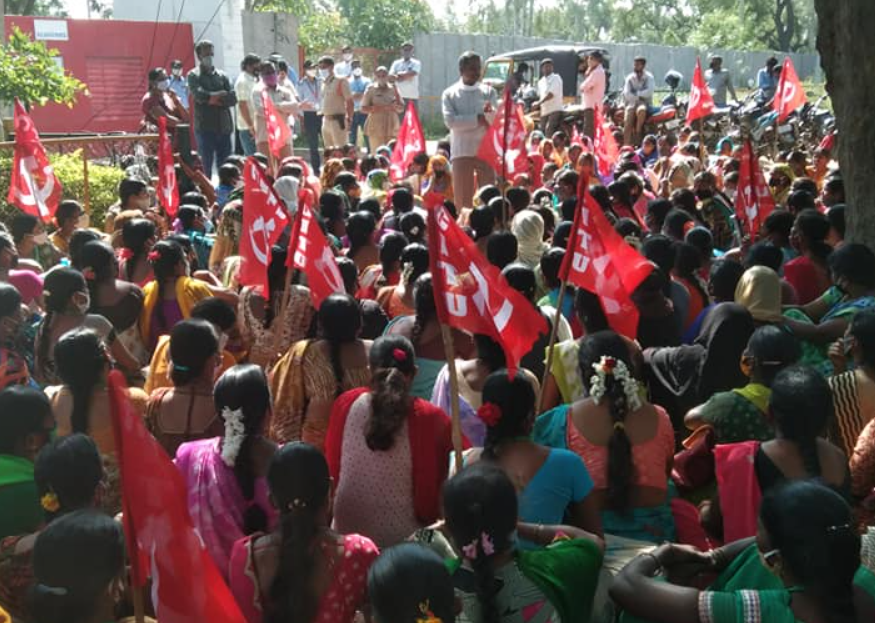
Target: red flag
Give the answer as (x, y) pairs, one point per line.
(604, 145)
(753, 201)
(33, 185)
(168, 194)
(162, 542)
(410, 142)
(601, 262)
(312, 254)
(470, 294)
(279, 134)
(576, 139)
(503, 147)
(790, 94)
(701, 101)
(264, 217)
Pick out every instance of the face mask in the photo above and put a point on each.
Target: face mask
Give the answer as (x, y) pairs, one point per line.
(163, 85)
(311, 73)
(207, 61)
(83, 305)
(176, 73)
(41, 239)
(270, 80)
(347, 57)
(324, 73)
(357, 72)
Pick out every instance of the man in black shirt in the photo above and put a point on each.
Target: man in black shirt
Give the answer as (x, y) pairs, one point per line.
(213, 100)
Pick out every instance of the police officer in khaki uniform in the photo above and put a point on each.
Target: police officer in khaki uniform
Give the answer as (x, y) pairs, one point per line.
(337, 105)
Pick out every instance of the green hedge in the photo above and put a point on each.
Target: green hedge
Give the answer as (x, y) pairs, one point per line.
(103, 184)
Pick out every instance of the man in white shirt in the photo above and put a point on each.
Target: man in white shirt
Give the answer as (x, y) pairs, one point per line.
(404, 72)
(468, 108)
(592, 91)
(243, 88)
(638, 96)
(343, 68)
(549, 98)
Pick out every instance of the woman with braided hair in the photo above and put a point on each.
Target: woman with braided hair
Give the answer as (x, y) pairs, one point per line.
(800, 407)
(303, 571)
(387, 450)
(626, 443)
(424, 331)
(499, 583)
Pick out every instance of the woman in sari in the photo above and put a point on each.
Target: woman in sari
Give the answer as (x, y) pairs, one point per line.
(742, 414)
(387, 450)
(388, 271)
(303, 570)
(681, 377)
(269, 327)
(397, 300)
(438, 184)
(826, 319)
(363, 250)
(800, 407)
(496, 581)
(68, 474)
(424, 331)
(225, 476)
(808, 273)
(626, 443)
(139, 235)
(171, 296)
(306, 380)
(805, 538)
(118, 301)
(409, 583)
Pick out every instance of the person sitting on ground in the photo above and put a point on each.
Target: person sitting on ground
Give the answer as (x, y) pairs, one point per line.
(67, 217)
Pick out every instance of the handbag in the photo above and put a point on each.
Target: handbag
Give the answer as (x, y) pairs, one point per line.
(694, 465)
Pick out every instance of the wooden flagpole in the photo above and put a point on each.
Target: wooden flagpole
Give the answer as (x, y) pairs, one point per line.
(449, 350)
(506, 104)
(550, 346)
(139, 604)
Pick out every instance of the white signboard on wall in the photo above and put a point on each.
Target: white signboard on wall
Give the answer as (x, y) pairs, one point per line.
(50, 30)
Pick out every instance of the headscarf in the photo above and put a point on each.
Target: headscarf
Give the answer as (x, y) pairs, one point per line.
(682, 377)
(537, 166)
(287, 189)
(430, 178)
(759, 291)
(377, 180)
(528, 227)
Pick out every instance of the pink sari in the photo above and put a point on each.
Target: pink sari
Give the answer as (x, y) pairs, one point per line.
(345, 595)
(739, 489)
(215, 502)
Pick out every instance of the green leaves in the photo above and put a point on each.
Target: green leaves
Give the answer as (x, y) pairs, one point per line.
(28, 71)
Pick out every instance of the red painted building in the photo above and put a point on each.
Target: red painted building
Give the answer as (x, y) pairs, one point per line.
(113, 58)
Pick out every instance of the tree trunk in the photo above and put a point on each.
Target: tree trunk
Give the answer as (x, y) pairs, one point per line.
(844, 40)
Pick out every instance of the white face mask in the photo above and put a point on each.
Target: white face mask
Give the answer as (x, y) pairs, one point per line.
(357, 72)
(207, 61)
(311, 73)
(324, 73)
(177, 72)
(163, 85)
(41, 239)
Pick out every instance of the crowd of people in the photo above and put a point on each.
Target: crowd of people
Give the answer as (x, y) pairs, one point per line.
(717, 466)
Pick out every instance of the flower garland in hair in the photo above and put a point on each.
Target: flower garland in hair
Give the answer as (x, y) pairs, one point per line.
(235, 433)
(426, 615)
(611, 366)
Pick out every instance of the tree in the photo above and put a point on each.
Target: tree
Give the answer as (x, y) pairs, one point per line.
(843, 38)
(47, 8)
(385, 24)
(29, 72)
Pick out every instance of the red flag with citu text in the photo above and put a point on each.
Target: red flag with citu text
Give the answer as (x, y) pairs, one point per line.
(790, 94)
(604, 145)
(279, 134)
(264, 218)
(168, 192)
(161, 539)
(33, 185)
(600, 261)
(701, 101)
(311, 253)
(753, 199)
(503, 147)
(410, 142)
(470, 294)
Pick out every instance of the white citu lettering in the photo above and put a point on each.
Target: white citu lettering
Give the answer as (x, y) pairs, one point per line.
(579, 263)
(502, 318)
(457, 304)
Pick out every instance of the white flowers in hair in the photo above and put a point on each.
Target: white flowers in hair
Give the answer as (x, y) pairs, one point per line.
(235, 432)
(617, 369)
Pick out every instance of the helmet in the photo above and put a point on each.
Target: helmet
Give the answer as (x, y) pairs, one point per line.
(673, 78)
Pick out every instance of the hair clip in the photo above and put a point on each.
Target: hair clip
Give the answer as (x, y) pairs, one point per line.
(50, 502)
(427, 615)
(838, 528)
(399, 355)
(51, 590)
(153, 256)
(619, 426)
(181, 368)
(297, 504)
(489, 413)
(486, 544)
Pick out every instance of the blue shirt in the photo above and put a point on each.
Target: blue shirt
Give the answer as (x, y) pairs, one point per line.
(561, 481)
(180, 87)
(767, 82)
(358, 85)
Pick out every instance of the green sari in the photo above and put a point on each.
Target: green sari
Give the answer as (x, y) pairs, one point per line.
(21, 511)
(739, 415)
